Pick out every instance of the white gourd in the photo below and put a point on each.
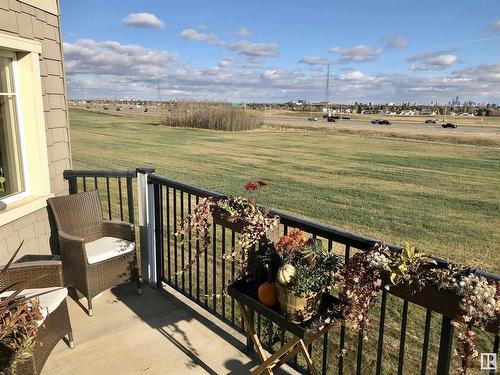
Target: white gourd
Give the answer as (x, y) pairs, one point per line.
(285, 274)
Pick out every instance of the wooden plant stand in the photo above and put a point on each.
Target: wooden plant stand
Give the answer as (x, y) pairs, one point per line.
(303, 334)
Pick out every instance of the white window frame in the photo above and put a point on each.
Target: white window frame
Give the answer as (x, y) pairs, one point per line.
(32, 131)
(20, 132)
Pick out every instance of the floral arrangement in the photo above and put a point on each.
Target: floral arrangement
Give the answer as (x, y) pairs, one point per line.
(307, 271)
(255, 220)
(365, 274)
(19, 325)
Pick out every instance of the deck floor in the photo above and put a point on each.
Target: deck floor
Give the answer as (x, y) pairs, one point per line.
(156, 333)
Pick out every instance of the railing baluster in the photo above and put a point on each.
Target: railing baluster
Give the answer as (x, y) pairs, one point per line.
(197, 201)
(109, 198)
(84, 184)
(214, 268)
(381, 330)
(174, 202)
(233, 271)
(205, 255)
(402, 340)
(445, 347)
(342, 327)
(130, 201)
(223, 273)
(359, 358)
(183, 275)
(169, 236)
(425, 346)
(95, 184)
(190, 251)
(120, 195)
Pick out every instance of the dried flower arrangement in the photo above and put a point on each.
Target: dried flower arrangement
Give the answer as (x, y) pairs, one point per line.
(255, 223)
(366, 272)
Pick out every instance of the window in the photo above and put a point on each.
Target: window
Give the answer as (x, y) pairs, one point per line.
(24, 163)
(11, 174)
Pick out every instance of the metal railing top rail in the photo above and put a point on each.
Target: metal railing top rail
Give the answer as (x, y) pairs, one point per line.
(101, 173)
(106, 173)
(323, 230)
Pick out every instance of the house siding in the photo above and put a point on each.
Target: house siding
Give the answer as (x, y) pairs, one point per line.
(27, 21)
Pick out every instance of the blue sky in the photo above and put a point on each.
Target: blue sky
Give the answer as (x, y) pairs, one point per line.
(379, 51)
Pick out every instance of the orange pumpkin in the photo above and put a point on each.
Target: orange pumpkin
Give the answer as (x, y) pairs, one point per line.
(268, 294)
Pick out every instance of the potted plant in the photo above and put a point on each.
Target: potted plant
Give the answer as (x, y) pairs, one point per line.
(308, 270)
(20, 320)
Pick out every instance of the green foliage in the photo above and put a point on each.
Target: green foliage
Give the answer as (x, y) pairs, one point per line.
(312, 276)
(407, 263)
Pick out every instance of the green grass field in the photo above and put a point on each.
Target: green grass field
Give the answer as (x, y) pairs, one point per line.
(444, 198)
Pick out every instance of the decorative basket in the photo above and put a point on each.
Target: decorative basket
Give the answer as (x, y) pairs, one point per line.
(297, 309)
(220, 217)
(440, 301)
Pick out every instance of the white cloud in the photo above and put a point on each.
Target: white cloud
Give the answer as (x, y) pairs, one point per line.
(193, 34)
(225, 62)
(395, 42)
(143, 20)
(244, 47)
(361, 53)
(87, 56)
(495, 25)
(109, 68)
(242, 31)
(314, 60)
(352, 76)
(432, 60)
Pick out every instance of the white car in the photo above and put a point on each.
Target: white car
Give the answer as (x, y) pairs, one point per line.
(312, 119)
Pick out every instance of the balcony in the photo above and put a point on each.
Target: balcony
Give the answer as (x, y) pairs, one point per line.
(159, 332)
(180, 326)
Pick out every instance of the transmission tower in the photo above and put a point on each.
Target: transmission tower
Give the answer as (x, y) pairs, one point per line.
(158, 91)
(327, 88)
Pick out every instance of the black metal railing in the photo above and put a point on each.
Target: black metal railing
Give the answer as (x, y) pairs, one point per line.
(404, 338)
(115, 188)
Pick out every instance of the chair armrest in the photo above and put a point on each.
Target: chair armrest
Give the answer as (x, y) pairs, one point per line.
(72, 249)
(36, 274)
(118, 229)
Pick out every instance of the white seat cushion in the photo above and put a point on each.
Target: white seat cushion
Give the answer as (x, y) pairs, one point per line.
(49, 301)
(107, 248)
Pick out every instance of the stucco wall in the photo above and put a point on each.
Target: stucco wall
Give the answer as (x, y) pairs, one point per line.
(26, 21)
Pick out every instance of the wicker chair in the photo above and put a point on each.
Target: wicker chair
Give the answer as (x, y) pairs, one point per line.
(57, 323)
(82, 230)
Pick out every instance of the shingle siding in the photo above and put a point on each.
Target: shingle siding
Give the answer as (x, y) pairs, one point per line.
(26, 21)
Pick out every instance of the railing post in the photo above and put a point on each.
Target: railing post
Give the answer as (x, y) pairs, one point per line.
(72, 184)
(145, 202)
(445, 347)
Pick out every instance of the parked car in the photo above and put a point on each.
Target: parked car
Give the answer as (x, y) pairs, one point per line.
(312, 119)
(430, 121)
(384, 122)
(331, 119)
(449, 125)
(375, 121)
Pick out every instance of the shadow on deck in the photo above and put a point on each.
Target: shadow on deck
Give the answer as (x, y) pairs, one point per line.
(160, 332)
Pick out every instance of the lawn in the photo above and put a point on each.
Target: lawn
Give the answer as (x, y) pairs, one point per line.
(444, 198)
